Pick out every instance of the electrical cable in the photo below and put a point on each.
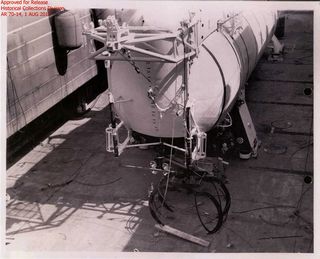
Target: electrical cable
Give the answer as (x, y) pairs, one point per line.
(152, 208)
(15, 91)
(14, 102)
(99, 184)
(71, 179)
(226, 195)
(309, 142)
(263, 208)
(226, 119)
(301, 197)
(241, 237)
(219, 185)
(171, 102)
(216, 205)
(277, 224)
(170, 160)
(221, 208)
(162, 198)
(303, 192)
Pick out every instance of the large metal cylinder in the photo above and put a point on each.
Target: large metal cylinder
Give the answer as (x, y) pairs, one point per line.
(225, 61)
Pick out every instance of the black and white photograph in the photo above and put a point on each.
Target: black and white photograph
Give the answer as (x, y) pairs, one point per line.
(168, 127)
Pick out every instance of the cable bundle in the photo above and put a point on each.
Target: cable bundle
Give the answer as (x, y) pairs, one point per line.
(211, 199)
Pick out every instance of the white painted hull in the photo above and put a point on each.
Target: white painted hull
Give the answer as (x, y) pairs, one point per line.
(224, 64)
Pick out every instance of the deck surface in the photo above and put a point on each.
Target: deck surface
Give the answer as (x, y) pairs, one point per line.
(69, 195)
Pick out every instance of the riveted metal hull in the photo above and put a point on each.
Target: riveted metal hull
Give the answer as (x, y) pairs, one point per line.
(225, 61)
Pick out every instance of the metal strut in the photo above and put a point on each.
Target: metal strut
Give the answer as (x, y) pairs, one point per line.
(113, 125)
(188, 139)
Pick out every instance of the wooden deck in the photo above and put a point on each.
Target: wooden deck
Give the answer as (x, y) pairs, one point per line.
(71, 198)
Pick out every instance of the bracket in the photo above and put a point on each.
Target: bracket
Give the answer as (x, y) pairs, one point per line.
(277, 50)
(113, 143)
(245, 131)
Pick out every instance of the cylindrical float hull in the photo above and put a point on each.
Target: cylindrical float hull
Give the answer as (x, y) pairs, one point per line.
(225, 62)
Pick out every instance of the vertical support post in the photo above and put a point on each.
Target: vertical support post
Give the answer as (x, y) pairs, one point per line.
(114, 125)
(112, 117)
(188, 138)
(186, 108)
